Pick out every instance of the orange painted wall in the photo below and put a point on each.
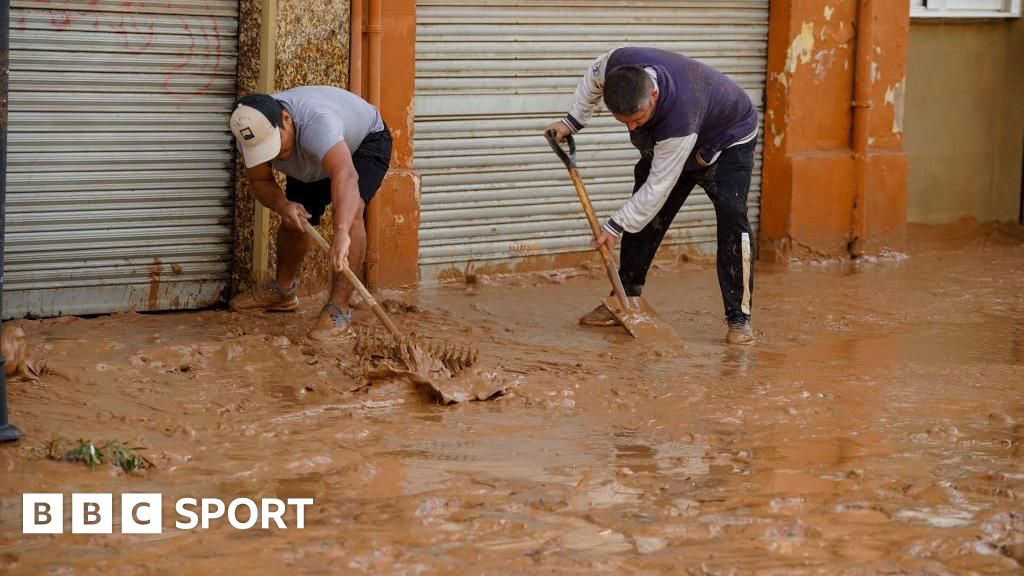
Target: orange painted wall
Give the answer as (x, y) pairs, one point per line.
(393, 220)
(810, 194)
(809, 179)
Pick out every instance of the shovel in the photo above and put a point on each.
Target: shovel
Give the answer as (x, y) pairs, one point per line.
(455, 358)
(634, 313)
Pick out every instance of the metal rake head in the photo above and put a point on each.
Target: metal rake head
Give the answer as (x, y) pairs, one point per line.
(376, 343)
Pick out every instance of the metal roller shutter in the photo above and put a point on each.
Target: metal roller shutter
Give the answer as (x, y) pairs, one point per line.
(120, 173)
(491, 74)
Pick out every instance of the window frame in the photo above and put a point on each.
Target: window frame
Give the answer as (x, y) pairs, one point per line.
(933, 9)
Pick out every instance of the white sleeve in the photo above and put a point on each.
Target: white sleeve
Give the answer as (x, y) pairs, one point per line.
(589, 92)
(669, 158)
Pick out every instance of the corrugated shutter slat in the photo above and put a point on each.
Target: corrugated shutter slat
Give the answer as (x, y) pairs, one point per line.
(492, 74)
(120, 171)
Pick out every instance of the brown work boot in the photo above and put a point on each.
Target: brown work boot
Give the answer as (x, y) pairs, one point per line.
(266, 298)
(740, 333)
(333, 322)
(600, 316)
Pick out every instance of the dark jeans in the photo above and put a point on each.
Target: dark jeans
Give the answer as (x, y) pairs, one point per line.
(727, 183)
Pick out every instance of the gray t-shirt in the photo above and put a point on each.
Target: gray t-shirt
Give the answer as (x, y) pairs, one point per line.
(324, 116)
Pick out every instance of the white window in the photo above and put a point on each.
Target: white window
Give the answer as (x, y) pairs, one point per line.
(964, 8)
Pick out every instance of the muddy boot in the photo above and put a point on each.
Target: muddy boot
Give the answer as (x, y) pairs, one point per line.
(333, 322)
(267, 298)
(740, 332)
(600, 316)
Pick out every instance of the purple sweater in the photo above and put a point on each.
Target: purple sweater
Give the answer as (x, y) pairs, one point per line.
(699, 113)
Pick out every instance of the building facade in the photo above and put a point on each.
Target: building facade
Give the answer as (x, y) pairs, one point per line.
(123, 191)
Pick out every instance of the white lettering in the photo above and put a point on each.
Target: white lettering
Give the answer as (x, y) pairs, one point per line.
(300, 503)
(180, 507)
(142, 513)
(212, 508)
(233, 513)
(276, 515)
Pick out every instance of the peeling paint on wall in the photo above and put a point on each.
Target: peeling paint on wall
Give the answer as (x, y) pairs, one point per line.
(809, 171)
(801, 48)
(410, 115)
(782, 79)
(777, 136)
(822, 62)
(894, 97)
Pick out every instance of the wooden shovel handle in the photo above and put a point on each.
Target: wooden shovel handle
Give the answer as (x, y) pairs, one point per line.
(377, 309)
(581, 191)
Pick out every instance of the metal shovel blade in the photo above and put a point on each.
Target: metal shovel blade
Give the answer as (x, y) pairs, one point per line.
(642, 322)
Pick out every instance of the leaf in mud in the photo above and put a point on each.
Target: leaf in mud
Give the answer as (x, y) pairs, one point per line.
(126, 458)
(85, 452)
(113, 451)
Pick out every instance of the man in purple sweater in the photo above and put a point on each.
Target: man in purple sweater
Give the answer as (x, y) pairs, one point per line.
(692, 126)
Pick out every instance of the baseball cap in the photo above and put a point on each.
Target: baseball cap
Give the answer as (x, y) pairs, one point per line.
(255, 124)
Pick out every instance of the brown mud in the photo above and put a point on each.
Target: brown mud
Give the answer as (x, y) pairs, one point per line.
(876, 427)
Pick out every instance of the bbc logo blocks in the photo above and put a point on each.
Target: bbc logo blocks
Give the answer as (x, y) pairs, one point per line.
(92, 513)
(143, 513)
(42, 513)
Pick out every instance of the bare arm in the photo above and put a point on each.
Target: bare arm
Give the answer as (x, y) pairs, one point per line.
(265, 188)
(337, 162)
(269, 193)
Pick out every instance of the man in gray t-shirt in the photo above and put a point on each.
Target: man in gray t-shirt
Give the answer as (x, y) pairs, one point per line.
(333, 147)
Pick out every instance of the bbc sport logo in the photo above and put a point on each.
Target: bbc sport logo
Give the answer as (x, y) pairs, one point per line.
(142, 513)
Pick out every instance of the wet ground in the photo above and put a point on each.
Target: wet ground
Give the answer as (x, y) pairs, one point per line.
(876, 427)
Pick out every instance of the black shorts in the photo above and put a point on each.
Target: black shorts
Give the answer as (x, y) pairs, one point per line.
(371, 161)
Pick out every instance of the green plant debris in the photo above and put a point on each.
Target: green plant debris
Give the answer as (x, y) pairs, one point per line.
(87, 452)
(113, 452)
(126, 458)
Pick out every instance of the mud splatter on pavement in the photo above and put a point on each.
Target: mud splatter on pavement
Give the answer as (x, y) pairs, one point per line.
(875, 428)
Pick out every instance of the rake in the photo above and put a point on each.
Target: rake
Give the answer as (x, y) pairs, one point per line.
(408, 349)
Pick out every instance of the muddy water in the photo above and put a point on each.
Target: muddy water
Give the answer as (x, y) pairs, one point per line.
(875, 428)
